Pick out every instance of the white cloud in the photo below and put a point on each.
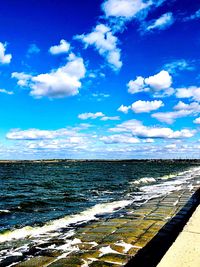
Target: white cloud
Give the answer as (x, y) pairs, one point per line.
(197, 120)
(141, 131)
(63, 47)
(136, 86)
(181, 110)
(4, 58)
(113, 118)
(105, 43)
(119, 138)
(72, 143)
(146, 106)
(192, 92)
(90, 115)
(149, 140)
(106, 118)
(62, 82)
(124, 8)
(194, 107)
(171, 146)
(23, 78)
(161, 23)
(160, 82)
(170, 117)
(178, 65)
(4, 91)
(48, 142)
(36, 134)
(124, 109)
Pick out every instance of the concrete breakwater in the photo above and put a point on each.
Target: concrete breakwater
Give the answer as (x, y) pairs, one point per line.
(135, 238)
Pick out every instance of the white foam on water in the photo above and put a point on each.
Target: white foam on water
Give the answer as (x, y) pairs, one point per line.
(85, 264)
(166, 177)
(4, 211)
(182, 180)
(84, 216)
(107, 250)
(148, 180)
(126, 246)
(93, 243)
(144, 180)
(70, 244)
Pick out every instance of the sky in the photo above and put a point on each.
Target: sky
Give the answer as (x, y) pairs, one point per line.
(109, 79)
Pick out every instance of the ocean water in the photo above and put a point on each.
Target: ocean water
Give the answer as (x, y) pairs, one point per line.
(40, 199)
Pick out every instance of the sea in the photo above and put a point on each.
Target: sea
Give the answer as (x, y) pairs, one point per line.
(42, 199)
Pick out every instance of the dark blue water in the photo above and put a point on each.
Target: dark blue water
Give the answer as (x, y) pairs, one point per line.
(34, 193)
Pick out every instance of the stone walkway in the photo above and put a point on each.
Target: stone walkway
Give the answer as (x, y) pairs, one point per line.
(185, 251)
(113, 242)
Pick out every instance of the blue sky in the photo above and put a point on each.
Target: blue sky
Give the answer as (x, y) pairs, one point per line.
(99, 79)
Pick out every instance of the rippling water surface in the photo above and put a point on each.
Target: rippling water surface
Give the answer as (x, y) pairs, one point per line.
(44, 203)
(34, 193)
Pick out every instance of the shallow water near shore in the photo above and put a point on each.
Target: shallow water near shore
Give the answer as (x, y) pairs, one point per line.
(41, 201)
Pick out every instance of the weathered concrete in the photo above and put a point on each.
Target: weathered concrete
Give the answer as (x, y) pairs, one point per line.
(185, 251)
(113, 242)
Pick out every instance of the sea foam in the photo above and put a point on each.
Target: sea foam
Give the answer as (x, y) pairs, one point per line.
(84, 216)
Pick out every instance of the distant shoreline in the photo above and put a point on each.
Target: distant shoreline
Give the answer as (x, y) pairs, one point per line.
(98, 160)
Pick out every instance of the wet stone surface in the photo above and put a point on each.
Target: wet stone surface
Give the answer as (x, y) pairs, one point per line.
(113, 242)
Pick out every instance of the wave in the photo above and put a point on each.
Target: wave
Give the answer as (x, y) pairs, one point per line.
(160, 189)
(144, 180)
(2, 212)
(148, 180)
(82, 217)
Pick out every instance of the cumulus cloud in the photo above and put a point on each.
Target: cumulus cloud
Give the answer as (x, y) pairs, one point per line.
(90, 115)
(197, 120)
(105, 43)
(159, 81)
(37, 134)
(146, 106)
(62, 48)
(161, 23)
(22, 78)
(120, 138)
(170, 117)
(137, 129)
(159, 84)
(194, 107)
(124, 8)
(4, 91)
(181, 110)
(42, 143)
(192, 92)
(124, 109)
(62, 82)
(136, 86)
(119, 12)
(4, 58)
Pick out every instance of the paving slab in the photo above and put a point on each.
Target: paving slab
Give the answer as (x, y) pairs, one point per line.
(185, 251)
